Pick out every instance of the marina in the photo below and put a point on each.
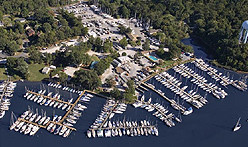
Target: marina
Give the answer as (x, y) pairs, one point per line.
(173, 84)
(161, 111)
(224, 80)
(6, 93)
(200, 81)
(173, 103)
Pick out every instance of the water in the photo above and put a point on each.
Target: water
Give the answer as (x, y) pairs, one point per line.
(153, 58)
(210, 126)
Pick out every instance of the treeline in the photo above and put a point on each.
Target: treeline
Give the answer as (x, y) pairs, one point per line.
(23, 7)
(217, 24)
(42, 26)
(151, 13)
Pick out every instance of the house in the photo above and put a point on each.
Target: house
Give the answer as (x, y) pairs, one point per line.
(166, 49)
(1, 24)
(131, 37)
(116, 63)
(21, 20)
(52, 67)
(3, 61)
(123, 59)
(30, 32)
(25, 43)
(46, 70)
(153, 31)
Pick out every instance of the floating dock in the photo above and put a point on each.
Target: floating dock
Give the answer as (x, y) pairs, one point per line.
(108, 115)
(172, 102)
(48, 97)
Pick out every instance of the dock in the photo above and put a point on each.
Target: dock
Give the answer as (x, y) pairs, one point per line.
(181, 91)
(72, 106)
(29, 122)
(182, 109)
(212, 72)
(192, 75)
(237, 84)
(48, 97)
(108, 115)
(122, 127)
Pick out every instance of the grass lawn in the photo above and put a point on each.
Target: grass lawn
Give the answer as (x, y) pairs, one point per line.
(34, 72)
(2, 75)
(95, 58)
(167, 63)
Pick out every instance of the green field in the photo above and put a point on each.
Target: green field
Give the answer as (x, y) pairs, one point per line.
(2, 75)
(34, 72)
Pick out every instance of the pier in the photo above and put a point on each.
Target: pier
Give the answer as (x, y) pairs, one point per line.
(164, 115)
(108, 115)
(48, 97)
(72, 106)
(29, 122)
(192, 75)
(181, 91)
(212, 72)
(169, 100)
(122, 127)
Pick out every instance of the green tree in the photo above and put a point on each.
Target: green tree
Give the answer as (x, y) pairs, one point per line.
(115, 93)
(123, 42)
(87, 79)
(146, 45)
(63, 77)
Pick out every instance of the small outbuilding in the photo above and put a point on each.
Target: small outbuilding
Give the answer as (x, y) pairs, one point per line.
(46, 70)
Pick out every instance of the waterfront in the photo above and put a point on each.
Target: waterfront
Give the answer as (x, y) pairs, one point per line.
(209, 126)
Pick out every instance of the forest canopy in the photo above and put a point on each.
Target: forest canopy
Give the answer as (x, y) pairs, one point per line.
(215, 23)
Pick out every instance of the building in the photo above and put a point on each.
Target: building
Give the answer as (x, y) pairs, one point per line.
(53, 67)
(46, 70)
(21, 20)
(30, 32)
(124, 59)
(116, 63)
(153, 31)
(3, 61)
(131, 37)
(1, 24)
(243, 35)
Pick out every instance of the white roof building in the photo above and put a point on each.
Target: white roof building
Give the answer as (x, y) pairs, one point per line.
(46, 70)
(124, 59)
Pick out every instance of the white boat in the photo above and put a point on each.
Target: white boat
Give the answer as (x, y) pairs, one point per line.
(237, 126)
(14, 125)
(28, 130)
(24, 127)
(34, 130)
(2, 113)
(88, 133)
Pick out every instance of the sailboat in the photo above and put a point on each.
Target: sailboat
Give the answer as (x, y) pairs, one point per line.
(237, 126)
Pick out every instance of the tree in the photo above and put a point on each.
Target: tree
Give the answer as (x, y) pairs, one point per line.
(115, 93)
(35, 56)
(22, 67)
(124, 54)
(63, 77)
(47, 27)
(123, 42)
(146, 45)
(110, 82)
(86, 79)
(1, 15)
